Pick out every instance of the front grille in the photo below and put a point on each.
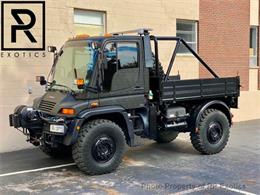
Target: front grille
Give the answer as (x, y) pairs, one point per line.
(46, 106)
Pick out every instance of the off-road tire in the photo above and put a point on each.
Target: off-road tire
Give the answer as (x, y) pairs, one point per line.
(200, 140)
(82, 150)
(166, 136)
(61, 151)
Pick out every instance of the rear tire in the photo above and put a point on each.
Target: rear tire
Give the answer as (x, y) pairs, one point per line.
(213, 132)
(100, 147)
(166, 136)
(61, 151)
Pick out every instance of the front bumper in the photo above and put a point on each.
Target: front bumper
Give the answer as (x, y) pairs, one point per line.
(45, 128)
(68, 137)
(15, 120)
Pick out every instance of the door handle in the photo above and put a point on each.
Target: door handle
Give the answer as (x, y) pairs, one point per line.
(138, 88)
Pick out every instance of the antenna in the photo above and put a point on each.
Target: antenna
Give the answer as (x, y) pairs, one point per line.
(140, 31)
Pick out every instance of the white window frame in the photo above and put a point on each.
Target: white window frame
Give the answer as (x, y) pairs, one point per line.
(91, 11)
(196, 35)
(257, 47)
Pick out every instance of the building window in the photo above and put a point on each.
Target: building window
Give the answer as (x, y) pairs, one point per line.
(253, 50)
(89, 22)
(187, 30)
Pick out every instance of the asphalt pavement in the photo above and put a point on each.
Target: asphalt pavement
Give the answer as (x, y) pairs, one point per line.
(174, 168)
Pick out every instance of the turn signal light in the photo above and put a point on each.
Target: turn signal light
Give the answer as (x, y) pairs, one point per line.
(68, 111)
(82, 36)
(107, 35)
(94, 104)
(80, 83)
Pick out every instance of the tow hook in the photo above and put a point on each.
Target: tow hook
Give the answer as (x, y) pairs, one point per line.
(34, 141)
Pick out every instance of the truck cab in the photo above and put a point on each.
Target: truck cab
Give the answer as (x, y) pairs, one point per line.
(103, 92)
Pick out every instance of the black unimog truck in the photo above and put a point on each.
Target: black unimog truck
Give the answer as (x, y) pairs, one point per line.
(104, 91)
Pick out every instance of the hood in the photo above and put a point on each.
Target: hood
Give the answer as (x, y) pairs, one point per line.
(52, 102)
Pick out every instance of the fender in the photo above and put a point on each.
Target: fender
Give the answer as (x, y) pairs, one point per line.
(144, 114)
(84, 115)
(100, 110)
(213, 104)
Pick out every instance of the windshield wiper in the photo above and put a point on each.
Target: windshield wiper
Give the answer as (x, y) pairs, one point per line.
(91, 89)
(53, 83)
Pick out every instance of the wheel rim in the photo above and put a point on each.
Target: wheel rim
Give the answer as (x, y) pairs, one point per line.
(103, 149)
(214, 133)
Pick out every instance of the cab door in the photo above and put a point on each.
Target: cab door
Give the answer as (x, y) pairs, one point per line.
(123, 82)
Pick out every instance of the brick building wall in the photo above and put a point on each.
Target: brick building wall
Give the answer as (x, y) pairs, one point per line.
(223, 38)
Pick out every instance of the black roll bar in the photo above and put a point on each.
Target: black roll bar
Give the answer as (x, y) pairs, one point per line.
(179, 41)
(172, 61)
(156, 56)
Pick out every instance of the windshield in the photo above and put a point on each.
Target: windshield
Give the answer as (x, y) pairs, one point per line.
(76, 60)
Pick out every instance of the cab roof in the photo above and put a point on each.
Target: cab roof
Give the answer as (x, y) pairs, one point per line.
(102, 38)
(116, 35)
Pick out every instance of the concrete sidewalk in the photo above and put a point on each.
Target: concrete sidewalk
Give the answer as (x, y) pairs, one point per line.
(151, 168)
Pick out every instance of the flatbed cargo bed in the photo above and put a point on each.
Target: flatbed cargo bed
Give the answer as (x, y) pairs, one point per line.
(194, 89)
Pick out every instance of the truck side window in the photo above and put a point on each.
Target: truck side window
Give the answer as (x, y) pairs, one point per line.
(120, 57)
(127, 55)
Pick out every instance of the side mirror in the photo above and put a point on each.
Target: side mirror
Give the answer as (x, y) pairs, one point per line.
(52, 49)
(41, 80)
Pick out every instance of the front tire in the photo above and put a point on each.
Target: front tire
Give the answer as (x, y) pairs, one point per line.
(213, 132)
(100, 147)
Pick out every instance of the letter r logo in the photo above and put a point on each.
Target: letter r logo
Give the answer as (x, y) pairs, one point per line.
(21, 25)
